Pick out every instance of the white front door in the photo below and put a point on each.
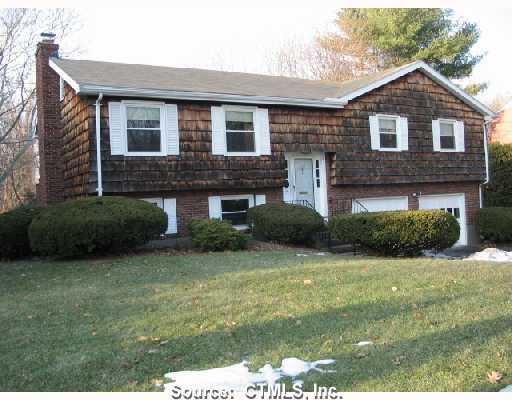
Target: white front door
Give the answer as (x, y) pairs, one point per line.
(307, 181)
(304, 186)
(452, 203)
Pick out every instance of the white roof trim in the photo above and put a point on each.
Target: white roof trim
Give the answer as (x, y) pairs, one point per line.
(65, 76)
(432, 73)
(180, 95)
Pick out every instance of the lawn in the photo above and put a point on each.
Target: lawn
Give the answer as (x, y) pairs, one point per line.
(119, 323)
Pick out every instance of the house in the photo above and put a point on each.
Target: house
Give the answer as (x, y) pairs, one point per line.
(211, 144)
(501, 126)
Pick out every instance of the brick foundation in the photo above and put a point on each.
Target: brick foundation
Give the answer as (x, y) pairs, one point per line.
(194, 204)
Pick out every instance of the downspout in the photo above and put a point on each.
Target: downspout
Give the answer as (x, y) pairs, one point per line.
(486, 152)
(99, 189)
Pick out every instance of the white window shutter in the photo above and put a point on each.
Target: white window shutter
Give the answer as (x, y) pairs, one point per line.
(263, 132)
(218, 131)
(404, 133)
(173, 136)
(214, 207)
(115, 121)
(374, 132)
(261, 199)
(436, 135)
(170, 210)
(459, 135)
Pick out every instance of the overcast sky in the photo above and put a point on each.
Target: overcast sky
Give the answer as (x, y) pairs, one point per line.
(241, 38)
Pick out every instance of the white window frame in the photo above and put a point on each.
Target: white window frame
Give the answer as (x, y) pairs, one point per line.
(454, 125)
(250, 197)
(254, 124)
(163, 127)
(398, 133)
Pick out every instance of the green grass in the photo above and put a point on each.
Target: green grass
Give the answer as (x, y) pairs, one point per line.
(73, 325)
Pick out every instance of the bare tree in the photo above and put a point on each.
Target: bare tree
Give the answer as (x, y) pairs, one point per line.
(19, 33)
(327, 57)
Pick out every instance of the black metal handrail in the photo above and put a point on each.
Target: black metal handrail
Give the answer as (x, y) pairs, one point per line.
(304, 203)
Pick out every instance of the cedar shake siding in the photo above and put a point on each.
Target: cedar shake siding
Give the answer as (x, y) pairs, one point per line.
(343, 133)
(76, 144)
(421, 100)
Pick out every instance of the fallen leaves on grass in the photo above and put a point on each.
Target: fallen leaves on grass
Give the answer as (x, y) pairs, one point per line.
(494, 377)
(308, 281)
(394, 288)
(157, 382)
(398, 360)
(344, 315)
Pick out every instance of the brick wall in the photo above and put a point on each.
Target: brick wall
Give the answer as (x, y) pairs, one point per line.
(194, 203)
(51, 182)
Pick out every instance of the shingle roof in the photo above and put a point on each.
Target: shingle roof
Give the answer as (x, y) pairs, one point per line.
(86, 72)
(95, 76)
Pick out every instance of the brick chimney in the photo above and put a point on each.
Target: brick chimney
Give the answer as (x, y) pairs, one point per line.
(51, 181)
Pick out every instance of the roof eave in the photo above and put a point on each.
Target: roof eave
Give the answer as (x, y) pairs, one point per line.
(204, 96)
(433, 74)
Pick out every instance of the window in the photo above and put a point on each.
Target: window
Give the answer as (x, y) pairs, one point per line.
(447, 135)
(235, 210)
(388, 133)
(169, 206)
(240, 132)
(143, 129)
(234, 207)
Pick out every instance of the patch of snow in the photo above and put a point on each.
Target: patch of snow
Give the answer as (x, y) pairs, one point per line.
(320, 254)
(301, 255)
(439, 255)
(491, 254)
(507, 388)
(367, 343)
(237, 377)
(294, 366)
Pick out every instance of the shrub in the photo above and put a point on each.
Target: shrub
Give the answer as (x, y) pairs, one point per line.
(287, 223)
(498, 193)
(216, 235)
(14, 242)
(95, 225)
(494, 224)
(396, 233)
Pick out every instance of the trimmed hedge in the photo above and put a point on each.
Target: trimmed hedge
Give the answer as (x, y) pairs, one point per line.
(95, 225)
(216, 235)
(498, 193)
(494, 224)
(397, 233)
(14, 241)
(289, 223)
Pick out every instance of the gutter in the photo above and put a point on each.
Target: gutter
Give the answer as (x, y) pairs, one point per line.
(99, 189)
(486, 151)
(220, 97)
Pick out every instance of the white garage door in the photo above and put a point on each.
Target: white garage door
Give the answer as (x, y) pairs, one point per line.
(381, 204)
(452, 203)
